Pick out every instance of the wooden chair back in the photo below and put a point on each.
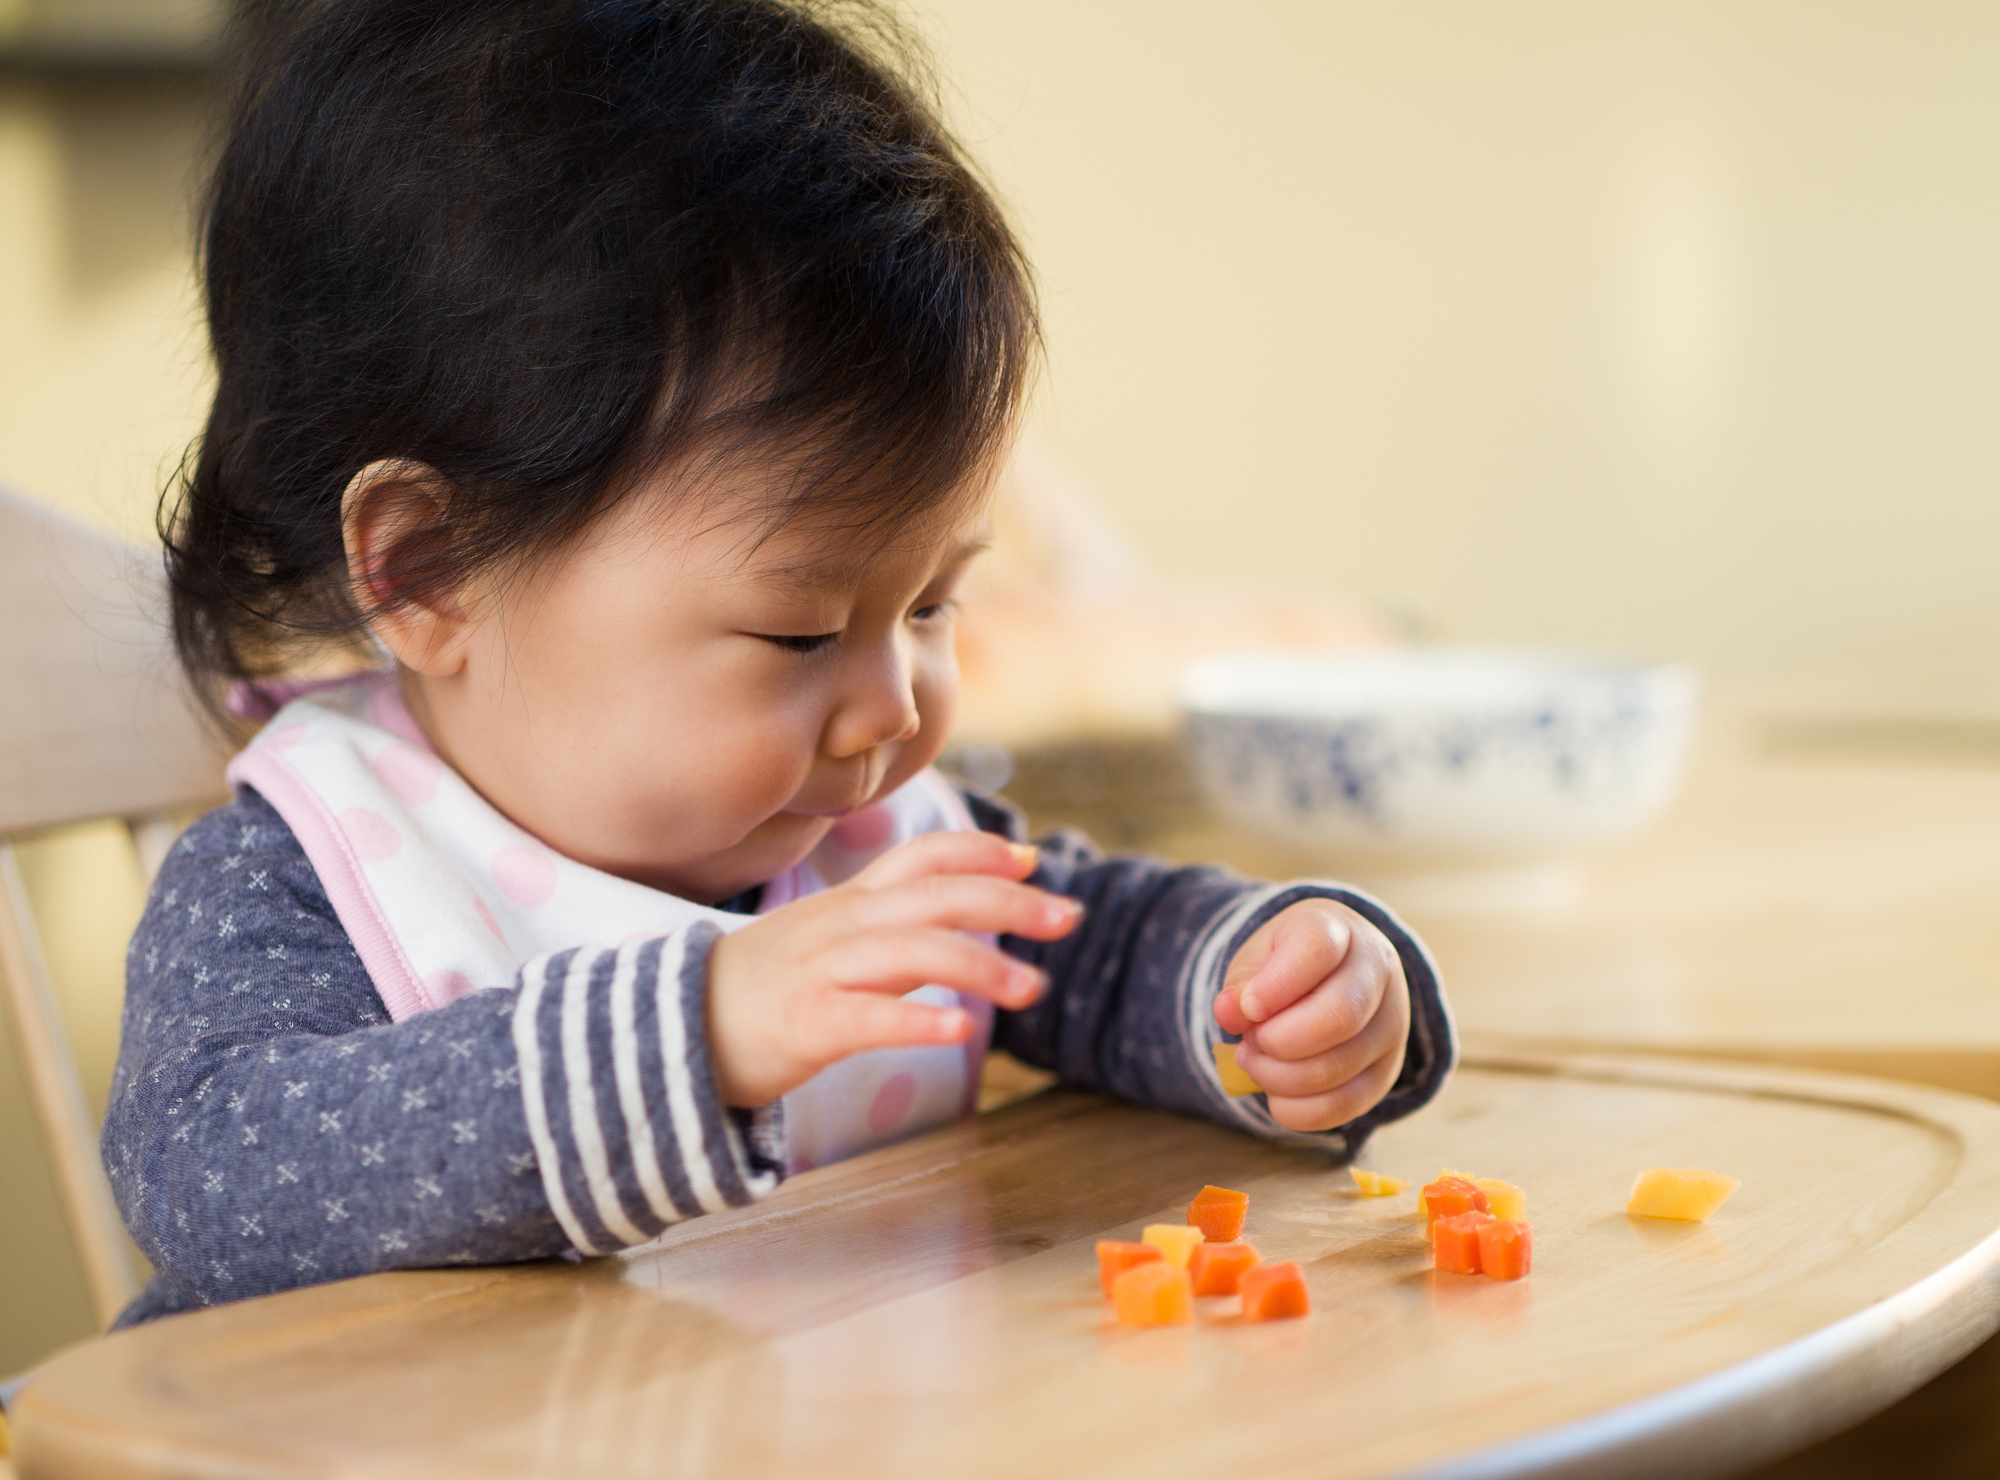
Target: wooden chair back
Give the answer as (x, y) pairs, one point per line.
(95, 722)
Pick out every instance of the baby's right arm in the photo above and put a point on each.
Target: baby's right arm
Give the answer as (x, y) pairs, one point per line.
(269, 1127)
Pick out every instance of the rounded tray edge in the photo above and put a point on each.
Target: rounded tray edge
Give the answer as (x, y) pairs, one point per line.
(1773, 1404)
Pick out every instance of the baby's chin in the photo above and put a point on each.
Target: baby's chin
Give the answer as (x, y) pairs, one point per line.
(774, 847)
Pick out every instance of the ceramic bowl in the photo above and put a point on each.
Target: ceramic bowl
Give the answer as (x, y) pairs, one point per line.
(1434, 754)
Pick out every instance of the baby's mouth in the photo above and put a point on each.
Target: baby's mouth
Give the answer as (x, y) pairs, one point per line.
(864, 799)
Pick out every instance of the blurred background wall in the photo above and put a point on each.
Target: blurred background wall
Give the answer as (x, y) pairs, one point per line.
(1665, 327)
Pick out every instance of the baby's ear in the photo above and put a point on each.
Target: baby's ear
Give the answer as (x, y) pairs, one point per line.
(395, 525)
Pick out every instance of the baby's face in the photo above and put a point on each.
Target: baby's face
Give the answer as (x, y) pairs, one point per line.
(675, 702)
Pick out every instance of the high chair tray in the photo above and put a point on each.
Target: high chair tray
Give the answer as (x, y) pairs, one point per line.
(932, 1310)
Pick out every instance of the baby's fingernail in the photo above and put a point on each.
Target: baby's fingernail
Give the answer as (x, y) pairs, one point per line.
(1026, 985)
(1025, 854)
(951, 1025)
(1063, 911)
(1251, 1007)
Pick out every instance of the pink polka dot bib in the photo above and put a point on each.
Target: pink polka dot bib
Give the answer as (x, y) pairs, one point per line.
(441, 895)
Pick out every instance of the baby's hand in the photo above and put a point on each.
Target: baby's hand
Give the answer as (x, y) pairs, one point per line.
(822, 978)
(1319, 996)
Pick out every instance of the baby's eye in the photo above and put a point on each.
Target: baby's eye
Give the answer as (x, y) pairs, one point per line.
(802, 644)
(933, 611)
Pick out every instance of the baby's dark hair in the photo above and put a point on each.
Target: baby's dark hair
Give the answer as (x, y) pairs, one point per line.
(543, 246)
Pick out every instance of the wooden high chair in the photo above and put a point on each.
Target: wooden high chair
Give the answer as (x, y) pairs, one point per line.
(95, 723)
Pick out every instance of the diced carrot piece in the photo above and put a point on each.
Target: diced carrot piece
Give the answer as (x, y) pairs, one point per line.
(1116, 1255)
(1218, 1213)
(1447, 1198)
(1504, 1200)
(1374, 1184)
(1506, 1248)
(1235, 1078)
(1455, 1242)
(1275, 1292)
(1175, 1240)
(1216, 1268)
(1153, 1295)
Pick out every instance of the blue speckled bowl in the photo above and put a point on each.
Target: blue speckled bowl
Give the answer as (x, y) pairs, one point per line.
(1437, 752)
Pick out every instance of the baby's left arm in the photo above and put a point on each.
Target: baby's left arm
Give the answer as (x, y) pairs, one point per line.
(1339, 1003)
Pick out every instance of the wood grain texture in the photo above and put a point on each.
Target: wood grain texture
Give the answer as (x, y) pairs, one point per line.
(932, 1309)
(95, 720)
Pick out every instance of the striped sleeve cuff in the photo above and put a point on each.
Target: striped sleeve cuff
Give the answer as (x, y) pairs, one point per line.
(1427, 1059)
(627, 1122)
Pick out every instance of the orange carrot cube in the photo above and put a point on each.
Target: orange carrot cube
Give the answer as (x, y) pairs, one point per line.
(1447, 1198)
(1506, 1248)
(1274, 1292)
(1116, 1255)
(1154, 1294)
(1455, 1242)
(1218, 1213)
(1216, 1268)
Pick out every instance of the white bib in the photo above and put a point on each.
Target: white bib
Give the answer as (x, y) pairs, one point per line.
(442, 895)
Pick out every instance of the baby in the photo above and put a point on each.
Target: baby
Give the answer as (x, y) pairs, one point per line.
(633, 375)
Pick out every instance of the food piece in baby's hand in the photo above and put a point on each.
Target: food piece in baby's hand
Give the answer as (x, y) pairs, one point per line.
(1374, 1184)
(1153, 1295)
(1689, 1195)
(1455, 1242)
(1175, 1241)
(1218, 1213)
(1275, 1292)
(1506, 1248)
(1447, 1198)
(1115, 1256)
(1234, 1081)
(1216, 1269)
(1504, 1200)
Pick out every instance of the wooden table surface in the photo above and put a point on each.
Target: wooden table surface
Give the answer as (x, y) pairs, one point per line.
(931, 1309)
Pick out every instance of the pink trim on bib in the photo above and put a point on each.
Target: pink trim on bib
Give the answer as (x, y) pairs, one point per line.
(339, 869)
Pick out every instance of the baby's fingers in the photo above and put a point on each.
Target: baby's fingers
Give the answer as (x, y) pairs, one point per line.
(898, 961)
(1287, 958)
(948, 853)
(1338, 1010)
(845, 1023)
(1322, 1112)
(968, 902)
(1383, 1037)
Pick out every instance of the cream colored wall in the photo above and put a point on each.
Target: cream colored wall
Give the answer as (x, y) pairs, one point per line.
(102, 369)
(1671, 326)
(1668, 326)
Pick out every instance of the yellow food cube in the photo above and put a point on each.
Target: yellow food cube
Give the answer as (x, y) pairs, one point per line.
(1175, 1240)
(1234, 1080)
(1666, 1193)
(1504, 1200)
(1374, 1184)
(1462, 1176)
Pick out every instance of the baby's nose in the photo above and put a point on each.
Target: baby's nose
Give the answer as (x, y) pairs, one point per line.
(883, 712)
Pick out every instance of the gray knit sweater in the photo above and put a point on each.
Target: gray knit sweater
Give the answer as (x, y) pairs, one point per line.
(270, 1127)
